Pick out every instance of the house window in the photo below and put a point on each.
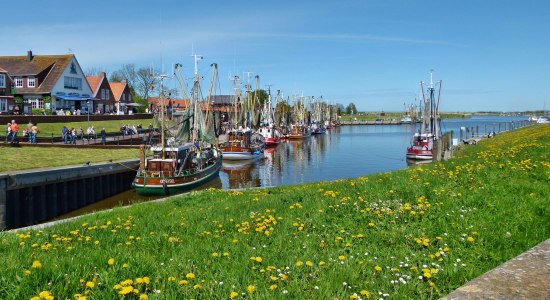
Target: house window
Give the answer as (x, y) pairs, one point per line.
(2, 81)
(123, 97)
(36, 103)
(107, 94)
(129, 97)
(31, 81)
(73, 83)
(3, 104)
(18, 82)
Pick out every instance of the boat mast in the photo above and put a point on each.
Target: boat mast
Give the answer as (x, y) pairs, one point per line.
(197, 57)
(163, 106)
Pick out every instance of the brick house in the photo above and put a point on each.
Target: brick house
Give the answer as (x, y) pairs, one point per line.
(122, 97)
(101, 90)
(7, 103)
(39, 79)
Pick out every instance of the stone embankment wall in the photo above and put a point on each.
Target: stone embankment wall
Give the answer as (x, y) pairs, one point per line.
(28, 198)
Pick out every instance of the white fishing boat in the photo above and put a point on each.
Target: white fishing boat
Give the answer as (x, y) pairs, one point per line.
(422, 143)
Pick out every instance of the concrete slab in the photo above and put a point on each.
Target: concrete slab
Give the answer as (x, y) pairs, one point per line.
(524, 277)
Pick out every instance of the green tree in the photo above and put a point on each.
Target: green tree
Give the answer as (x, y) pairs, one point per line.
(339, 108)
(261, 96)
(351, 109)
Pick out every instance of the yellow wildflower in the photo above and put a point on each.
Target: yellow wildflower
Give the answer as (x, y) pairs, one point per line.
(111, 261)
(36, 264)
(250, 289)
(233, 295)
(190, 276)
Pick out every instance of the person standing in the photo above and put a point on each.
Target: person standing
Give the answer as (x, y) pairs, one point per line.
(8, 133)
(103, 136)
(73, 136)
(34, 133)
(14, 131)
(65, 134)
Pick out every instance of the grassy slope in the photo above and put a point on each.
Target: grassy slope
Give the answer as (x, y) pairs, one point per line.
(16, 159)
(46, 129)
(415, 233)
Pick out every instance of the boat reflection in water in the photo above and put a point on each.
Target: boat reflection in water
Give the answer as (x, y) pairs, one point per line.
(130, 197)
(242, 173)
(413, 162)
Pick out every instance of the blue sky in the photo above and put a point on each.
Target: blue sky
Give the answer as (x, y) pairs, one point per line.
(491, 55)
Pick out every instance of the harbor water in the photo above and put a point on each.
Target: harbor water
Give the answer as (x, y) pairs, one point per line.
(343, 152)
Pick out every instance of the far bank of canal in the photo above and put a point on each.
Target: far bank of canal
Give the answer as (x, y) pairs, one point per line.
(344, 152)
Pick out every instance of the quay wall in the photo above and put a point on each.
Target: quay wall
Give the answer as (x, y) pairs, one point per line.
(28, 198)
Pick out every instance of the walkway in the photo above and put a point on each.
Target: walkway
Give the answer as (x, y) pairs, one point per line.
(524, 277)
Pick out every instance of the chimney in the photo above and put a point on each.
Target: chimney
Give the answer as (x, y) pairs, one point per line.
(29, 55)
(102, 74)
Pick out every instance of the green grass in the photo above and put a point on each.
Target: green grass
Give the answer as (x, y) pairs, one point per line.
(46, 129)
(16, 159)
(411, 234)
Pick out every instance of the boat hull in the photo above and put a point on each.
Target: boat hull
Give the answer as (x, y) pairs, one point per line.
(242, 155)
(269, 141)
(172, 185)
(419, 154)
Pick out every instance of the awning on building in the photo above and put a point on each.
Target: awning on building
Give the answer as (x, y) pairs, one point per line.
(75, 98)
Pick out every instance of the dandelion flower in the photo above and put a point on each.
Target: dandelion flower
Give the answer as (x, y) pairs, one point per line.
(190, 276)
(273, 287)
(90, 284)
(378, 268)
(341, 257)
(309, 263)
(470, 239)
(365, 293)
(183, 282)
(322, 263)
(36, 264)
(250, 289)
(233, 295)
(143, 297)
(197, 286)
(300, 263)
(111, 261)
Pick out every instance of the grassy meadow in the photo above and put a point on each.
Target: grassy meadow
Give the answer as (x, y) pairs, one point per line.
(47, 129)
(24, 158)
(417, 233)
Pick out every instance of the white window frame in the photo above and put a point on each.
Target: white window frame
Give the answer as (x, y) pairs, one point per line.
(107, 95)
(36, 103)
(3, 104)
(18, 82)
(2, 81)
(31, 81)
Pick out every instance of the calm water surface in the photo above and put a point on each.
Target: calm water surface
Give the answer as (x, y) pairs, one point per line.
(343, 152)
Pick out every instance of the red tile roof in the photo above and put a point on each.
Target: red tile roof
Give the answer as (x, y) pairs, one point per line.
(94, 82)
(118, 89)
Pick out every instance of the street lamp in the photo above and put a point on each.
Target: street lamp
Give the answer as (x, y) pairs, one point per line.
(88, 109)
